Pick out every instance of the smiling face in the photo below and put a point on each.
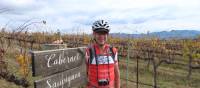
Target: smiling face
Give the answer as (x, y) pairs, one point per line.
(100, 37)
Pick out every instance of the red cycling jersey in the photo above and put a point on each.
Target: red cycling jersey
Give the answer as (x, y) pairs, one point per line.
(101, 65)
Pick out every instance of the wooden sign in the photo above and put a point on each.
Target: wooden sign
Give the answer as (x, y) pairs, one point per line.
(49, 62)
(67, 79)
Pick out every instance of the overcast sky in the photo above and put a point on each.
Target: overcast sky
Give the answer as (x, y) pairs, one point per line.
(124, 16)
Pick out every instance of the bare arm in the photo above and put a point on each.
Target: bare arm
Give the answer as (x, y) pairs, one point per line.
(117, 76)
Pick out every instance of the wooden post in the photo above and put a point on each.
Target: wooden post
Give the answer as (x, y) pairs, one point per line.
(154, 73)
(137, 74)
(189, 67)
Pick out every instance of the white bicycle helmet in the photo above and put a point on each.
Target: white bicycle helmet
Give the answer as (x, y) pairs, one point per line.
(100, 25)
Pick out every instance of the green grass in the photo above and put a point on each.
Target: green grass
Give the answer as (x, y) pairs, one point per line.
(5, 84)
